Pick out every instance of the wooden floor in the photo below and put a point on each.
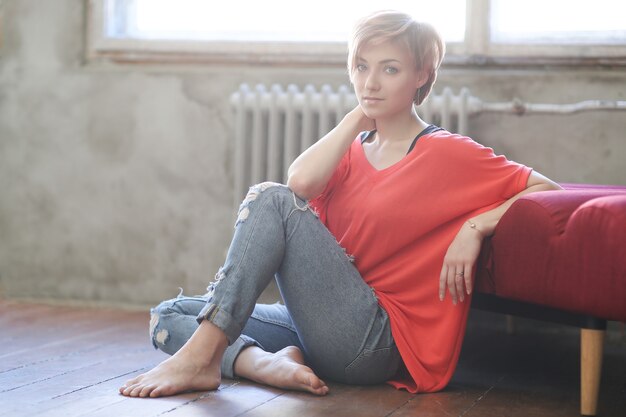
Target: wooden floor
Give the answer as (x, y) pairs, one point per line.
(69, 361)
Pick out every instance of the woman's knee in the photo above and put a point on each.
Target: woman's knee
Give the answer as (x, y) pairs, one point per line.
(290, 201)
(257, 190)
(173, 321)
(182, 305)
(254, 193)
(165, 308)
(159, 334)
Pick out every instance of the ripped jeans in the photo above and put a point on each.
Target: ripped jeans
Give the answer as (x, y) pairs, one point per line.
(330, 313)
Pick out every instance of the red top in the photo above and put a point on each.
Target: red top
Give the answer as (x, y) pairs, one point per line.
(398, 223)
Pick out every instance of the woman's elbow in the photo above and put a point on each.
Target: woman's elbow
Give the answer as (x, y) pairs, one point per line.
(541, 183)
(302, 188)
(547, 186)
(551, 185)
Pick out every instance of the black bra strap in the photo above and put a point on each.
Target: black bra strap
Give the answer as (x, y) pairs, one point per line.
(430, 129)
(366, 135)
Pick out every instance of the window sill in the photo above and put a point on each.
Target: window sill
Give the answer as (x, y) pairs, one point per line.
(131, 51)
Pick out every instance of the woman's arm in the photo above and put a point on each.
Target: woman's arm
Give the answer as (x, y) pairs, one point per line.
(311, 171)
(463, 252)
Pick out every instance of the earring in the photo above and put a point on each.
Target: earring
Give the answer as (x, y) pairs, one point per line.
(417, 100)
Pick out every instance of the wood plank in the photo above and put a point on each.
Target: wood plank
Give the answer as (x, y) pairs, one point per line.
(453, 401)
(342, 400)
(103, 397)
(55, 368)
(93, 349)
(541, 401)
(62, 348)
(89, 387)
(18, 322)
(231, 399)
(31, 333)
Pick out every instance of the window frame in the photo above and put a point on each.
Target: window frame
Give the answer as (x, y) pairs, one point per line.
(476, 50)
(101, 47)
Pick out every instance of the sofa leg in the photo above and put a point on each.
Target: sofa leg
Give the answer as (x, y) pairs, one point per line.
(591, 346)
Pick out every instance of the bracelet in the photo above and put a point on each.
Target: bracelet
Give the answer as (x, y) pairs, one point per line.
(473, 226)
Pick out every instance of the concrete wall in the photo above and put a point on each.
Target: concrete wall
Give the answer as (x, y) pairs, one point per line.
(116, 182)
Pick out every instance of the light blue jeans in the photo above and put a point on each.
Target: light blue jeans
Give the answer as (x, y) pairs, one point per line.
(330, 313)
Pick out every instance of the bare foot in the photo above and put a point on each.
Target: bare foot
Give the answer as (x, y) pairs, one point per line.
(187, 370)
(283, 369)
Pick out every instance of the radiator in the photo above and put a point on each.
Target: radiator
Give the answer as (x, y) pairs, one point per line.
(273, 126)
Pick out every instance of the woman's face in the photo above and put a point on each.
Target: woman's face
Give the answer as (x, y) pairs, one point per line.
(385, 79)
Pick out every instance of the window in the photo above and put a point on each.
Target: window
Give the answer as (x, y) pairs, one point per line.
(558, 22)
(281, 31)
(577, 31)
(271, 20)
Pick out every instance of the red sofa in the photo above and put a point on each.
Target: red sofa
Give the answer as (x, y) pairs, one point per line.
(561, 256)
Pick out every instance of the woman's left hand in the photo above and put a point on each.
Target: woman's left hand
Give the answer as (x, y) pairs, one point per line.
(458, 264)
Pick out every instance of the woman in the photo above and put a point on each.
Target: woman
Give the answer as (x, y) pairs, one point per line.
(364, 243)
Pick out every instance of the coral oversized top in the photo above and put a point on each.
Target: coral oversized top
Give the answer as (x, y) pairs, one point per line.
(398, 223)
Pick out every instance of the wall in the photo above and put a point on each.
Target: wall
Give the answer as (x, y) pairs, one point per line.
(116, 182)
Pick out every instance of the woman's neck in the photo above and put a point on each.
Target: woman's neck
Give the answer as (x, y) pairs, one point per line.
(399, 128)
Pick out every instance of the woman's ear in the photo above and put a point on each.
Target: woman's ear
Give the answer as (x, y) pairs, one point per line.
(422, 78)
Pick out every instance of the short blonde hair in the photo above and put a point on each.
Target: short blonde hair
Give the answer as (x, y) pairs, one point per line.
(423, 41)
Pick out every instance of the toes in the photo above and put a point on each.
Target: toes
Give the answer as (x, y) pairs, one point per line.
(130, 384)
(323, 390)
(124, 387)
(312, 383)
(160, 392)
(135, 390)
(128, 389)
(146, 391)
(318, 386)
